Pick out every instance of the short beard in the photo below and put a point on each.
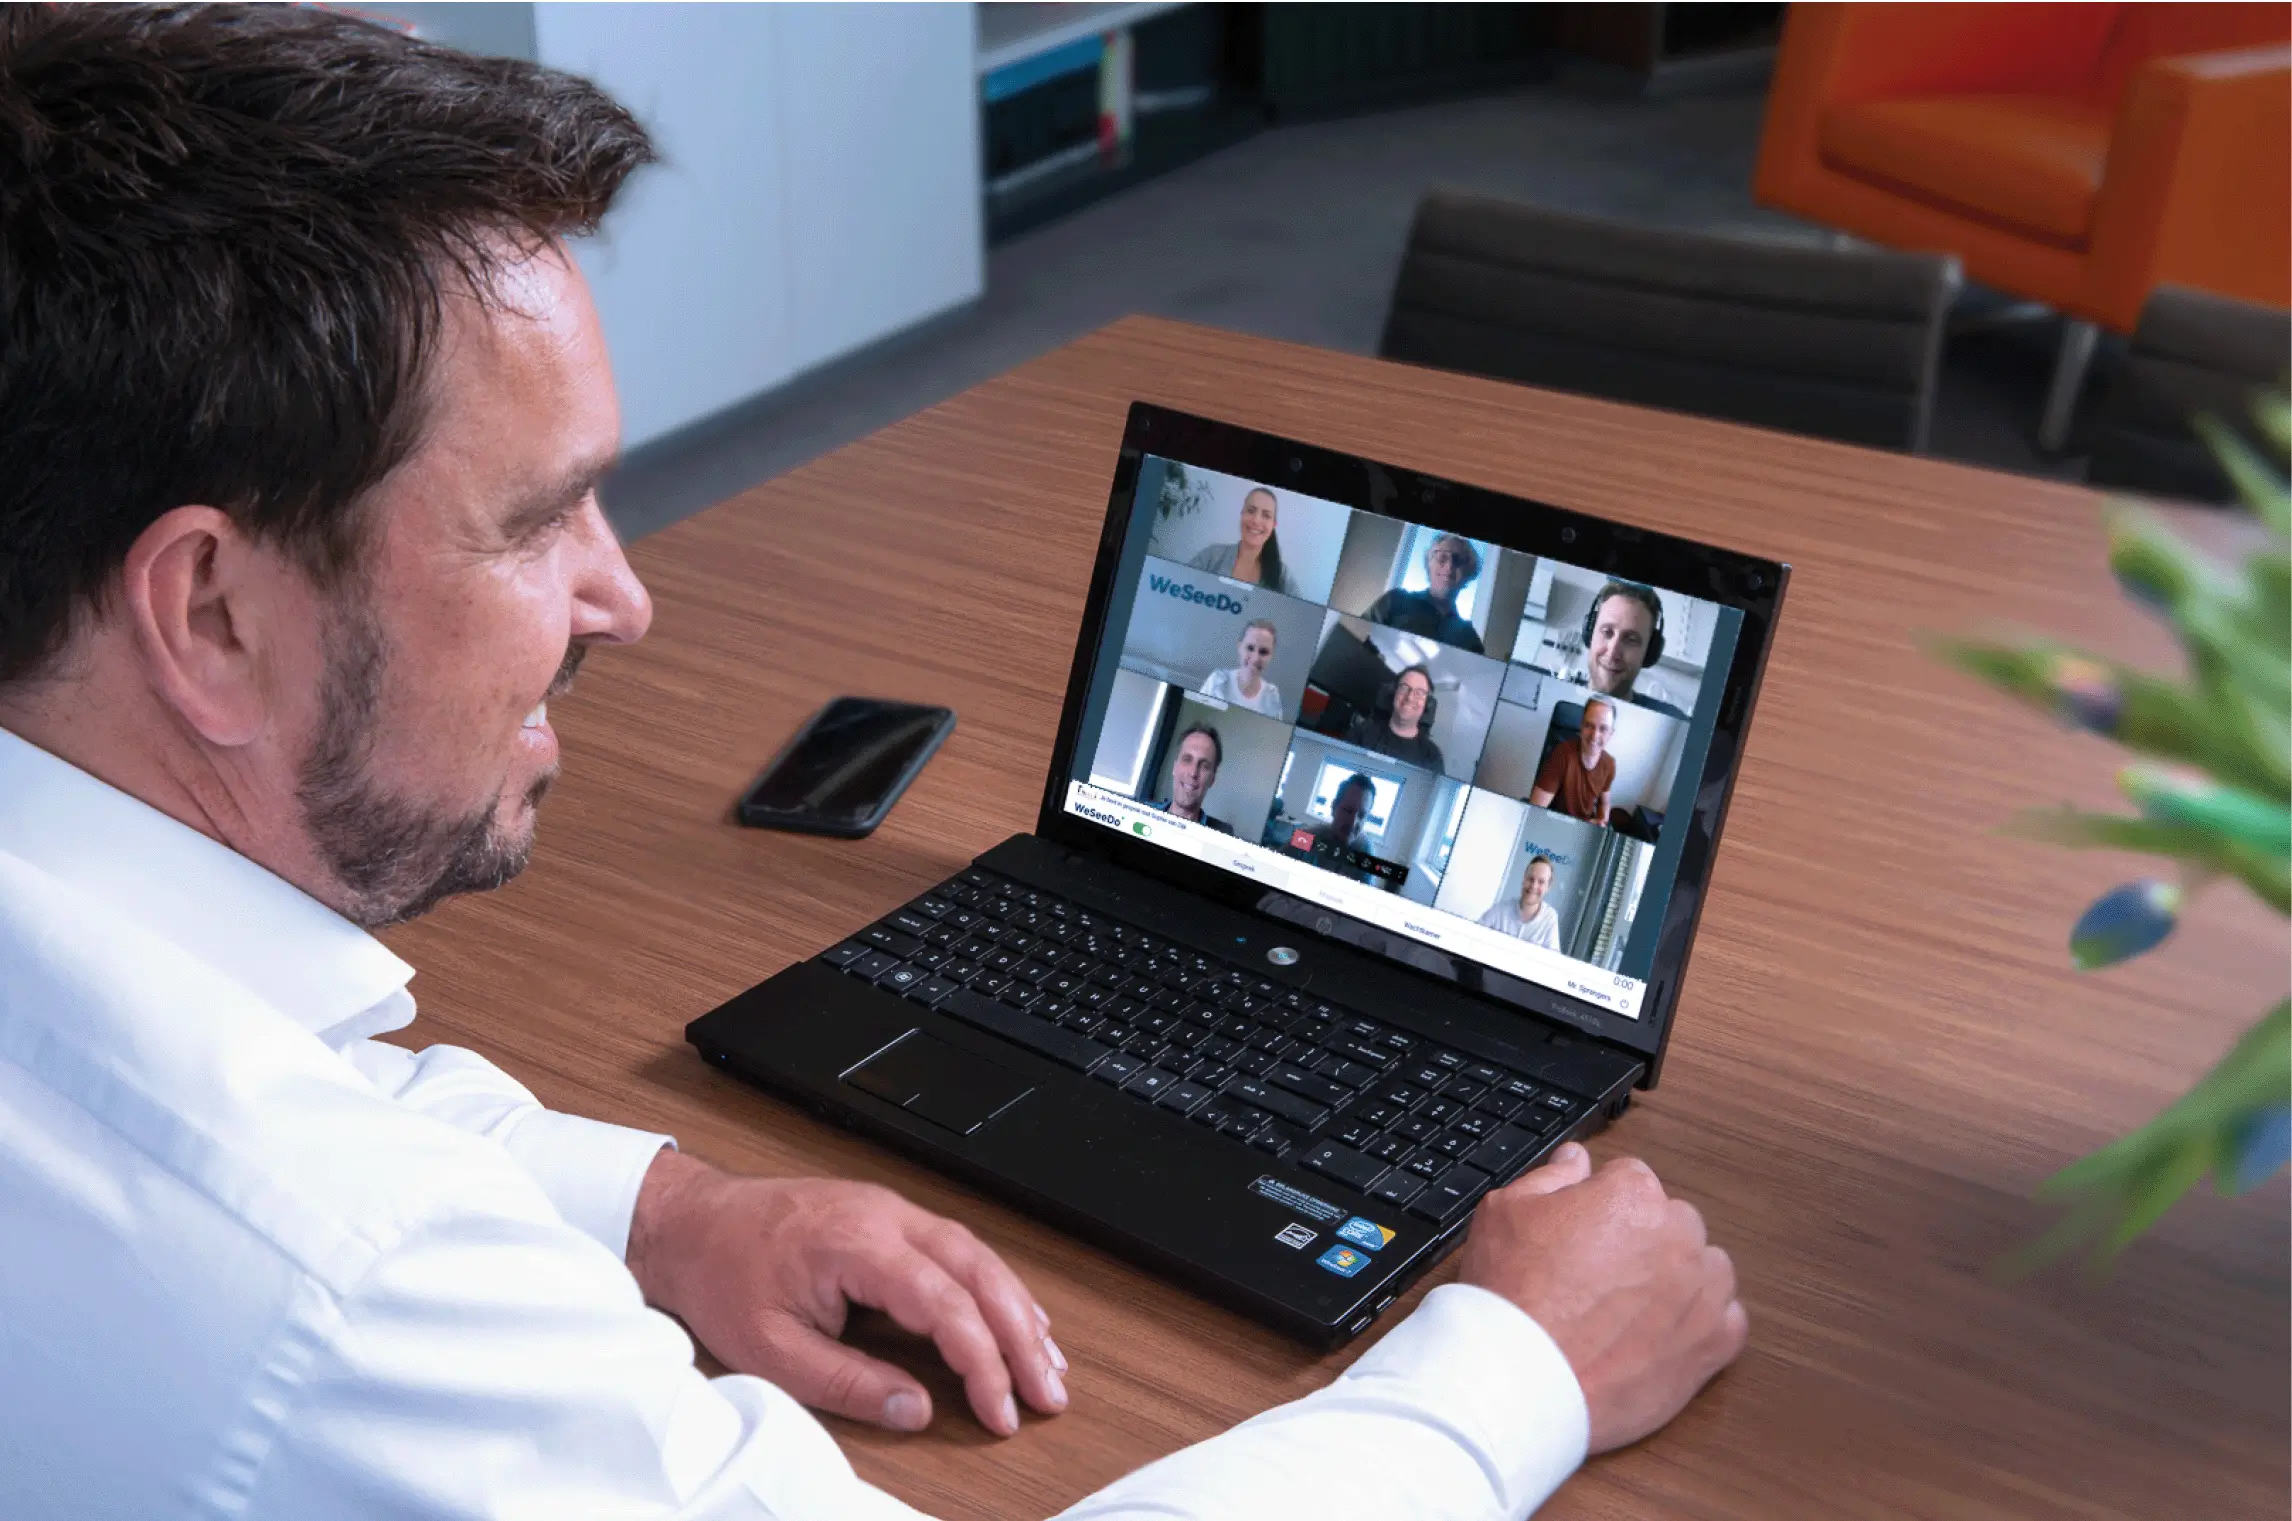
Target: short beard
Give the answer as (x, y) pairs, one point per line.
(394, 858)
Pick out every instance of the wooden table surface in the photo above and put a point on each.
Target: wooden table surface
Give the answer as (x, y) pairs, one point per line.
(1879, 1051)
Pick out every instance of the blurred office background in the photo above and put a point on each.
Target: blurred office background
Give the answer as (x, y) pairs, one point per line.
(2025, 237)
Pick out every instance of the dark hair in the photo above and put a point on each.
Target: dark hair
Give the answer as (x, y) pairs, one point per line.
(1268, 558)
(225, 235)
(1357, 779)
(1217, 745)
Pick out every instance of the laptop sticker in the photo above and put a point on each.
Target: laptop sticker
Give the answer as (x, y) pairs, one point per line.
(1295, 1235)
(1365, 1233)
(1297, 1200)
(1343, 1260)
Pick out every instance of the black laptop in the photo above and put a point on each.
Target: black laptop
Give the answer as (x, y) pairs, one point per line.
(1367, 867)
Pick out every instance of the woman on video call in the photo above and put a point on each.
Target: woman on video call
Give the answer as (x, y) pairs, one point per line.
(1256, 555)
(1244, 685)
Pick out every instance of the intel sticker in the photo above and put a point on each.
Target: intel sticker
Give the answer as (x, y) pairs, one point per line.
(1365, 1233)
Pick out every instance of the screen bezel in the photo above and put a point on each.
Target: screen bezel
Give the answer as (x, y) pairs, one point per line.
(1754, 587)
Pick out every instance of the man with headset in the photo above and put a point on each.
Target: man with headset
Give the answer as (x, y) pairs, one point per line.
(1404, 729)
(1623, 635)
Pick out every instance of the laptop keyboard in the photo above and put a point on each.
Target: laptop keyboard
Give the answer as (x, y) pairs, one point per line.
(1392, 1114)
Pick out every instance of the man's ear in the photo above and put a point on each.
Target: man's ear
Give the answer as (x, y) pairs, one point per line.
(193, 597)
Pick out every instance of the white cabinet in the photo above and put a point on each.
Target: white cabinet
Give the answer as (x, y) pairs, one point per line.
(819, 190)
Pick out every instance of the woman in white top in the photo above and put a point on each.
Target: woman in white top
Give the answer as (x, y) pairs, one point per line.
(1245, 686)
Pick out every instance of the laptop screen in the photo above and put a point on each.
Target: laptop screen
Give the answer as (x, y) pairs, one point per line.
(1482, 753)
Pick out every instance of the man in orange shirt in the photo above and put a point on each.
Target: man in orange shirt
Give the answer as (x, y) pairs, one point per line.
(1578, 776)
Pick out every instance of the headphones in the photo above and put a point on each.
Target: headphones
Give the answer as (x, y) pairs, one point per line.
(1627, 589)
(1392, 689)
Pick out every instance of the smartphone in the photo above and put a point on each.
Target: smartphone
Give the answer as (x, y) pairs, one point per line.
(846, 766)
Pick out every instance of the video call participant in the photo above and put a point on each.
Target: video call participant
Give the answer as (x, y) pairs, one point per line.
(1256, 555)
(368, 1278)
(1348, 811)
(1244, 685)
(1193, 774)
(1451, 565)
(1402, 732)
(1532, 919)
(1576, 777)
(1623, 634)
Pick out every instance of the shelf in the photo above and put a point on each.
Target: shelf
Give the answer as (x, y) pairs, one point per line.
(1013, 33)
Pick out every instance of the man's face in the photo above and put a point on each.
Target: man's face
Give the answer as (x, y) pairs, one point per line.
(1346, 810)
(1409, 695)
(1445, 566)
(1256, 649)
(490, 570)
(1599, 724)
(1193, 773)
(1620, 631)
(1533, 885)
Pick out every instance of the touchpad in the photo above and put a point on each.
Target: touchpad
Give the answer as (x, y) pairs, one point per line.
(945, 1084)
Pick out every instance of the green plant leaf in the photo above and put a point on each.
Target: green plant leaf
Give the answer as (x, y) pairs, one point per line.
(2264, 824)
(2256, 481)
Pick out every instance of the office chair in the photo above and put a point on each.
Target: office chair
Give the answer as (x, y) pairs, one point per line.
(2192, 353)
(1836, 342)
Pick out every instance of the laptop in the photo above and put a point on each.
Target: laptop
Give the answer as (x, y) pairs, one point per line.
(1320, 933)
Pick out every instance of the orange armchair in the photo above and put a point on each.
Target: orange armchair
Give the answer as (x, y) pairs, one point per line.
(2079, 155)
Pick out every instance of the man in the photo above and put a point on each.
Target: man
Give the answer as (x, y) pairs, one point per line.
(1452, 564)
(1624, 626)
(1532, 920)
(1576, 777)
(1401, 732)
(1193, 774)
(302, 405)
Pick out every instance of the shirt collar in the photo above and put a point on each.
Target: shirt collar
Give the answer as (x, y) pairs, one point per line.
(253, 926)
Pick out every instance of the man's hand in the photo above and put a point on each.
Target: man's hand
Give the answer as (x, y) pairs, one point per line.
(1621, 1277)
(764, 1270)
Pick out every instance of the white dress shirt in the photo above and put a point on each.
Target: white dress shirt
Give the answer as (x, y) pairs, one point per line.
(256, 1264)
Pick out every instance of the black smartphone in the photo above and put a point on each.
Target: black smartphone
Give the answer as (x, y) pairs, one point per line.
(846, 766)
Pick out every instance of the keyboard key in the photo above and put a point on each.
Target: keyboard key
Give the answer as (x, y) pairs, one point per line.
(1450, 1195)
(1389, 1148)
(1288, 1105)
(931, 957)
(1482, 1072)
(1479, 1126)
(931, 906)
(1344, 1164)
(1451, 1061)
(899, 978)
(1499, 1104)
(1451, 1144)
(1151, 1082)
(931, 990)
(1184, 1097)
(1501, 1152)
(872, 965)
(1214, 1114)
(845, 954)
(1275, 1137)
(1338, 1070)
(1019, 995)
(1119, 1067)
(1440, 1111)
(1399, 1095)
(1311, 1084)
(1377, 1115)
(1255, 1063)
(1463, 1089)
(1062, 1046)
(1244, 1122)
(1398, 1187)
(1416, 1128)
(989, 982)
(910, 922)
(1428, 1166)
(1033, 972)
(1357, 1135)
(884, 938)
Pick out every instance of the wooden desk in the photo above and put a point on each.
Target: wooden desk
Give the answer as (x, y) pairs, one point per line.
(1880, 1049)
